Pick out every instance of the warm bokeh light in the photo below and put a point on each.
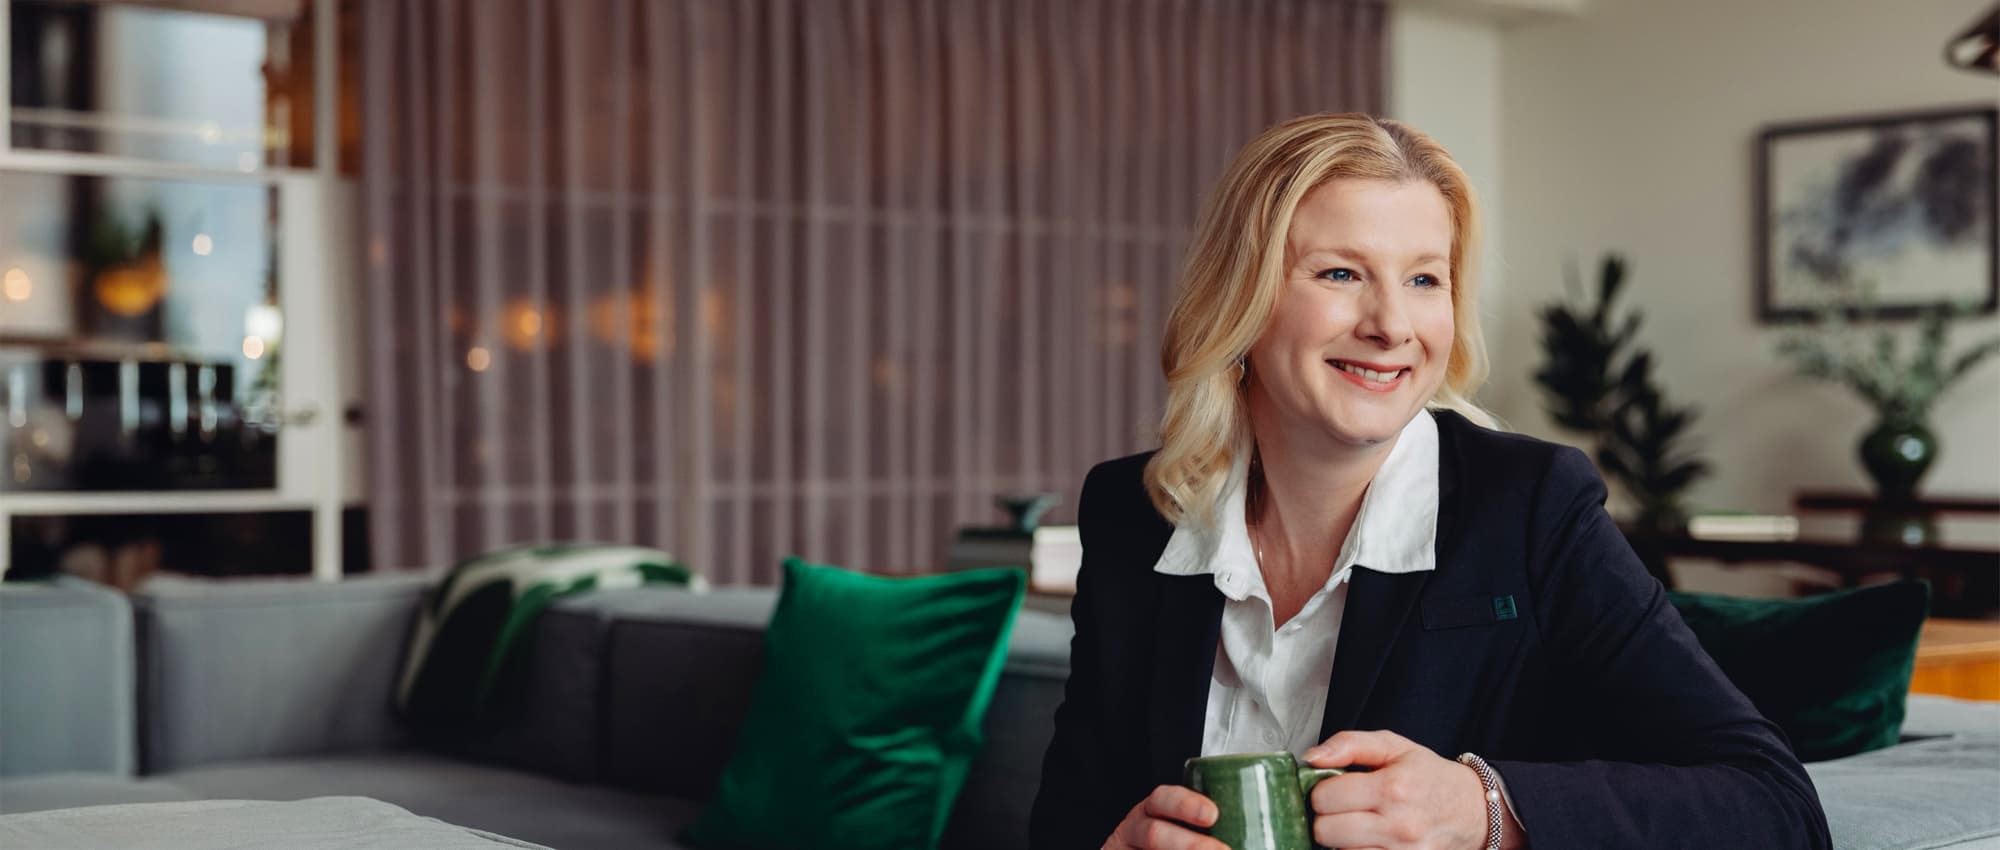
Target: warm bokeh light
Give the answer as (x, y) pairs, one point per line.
(253, 347)
(132, 288)
(523, 327)
(478, 358)
(16, 286)
(636, 321)
(203, 245)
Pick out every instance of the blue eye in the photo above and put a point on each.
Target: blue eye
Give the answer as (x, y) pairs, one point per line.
(1425, 281)
(1339, 274)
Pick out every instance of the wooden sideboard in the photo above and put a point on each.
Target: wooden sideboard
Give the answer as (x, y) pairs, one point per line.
(1958, 658)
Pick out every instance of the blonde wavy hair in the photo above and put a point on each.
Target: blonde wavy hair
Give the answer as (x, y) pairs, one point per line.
(1235, 269)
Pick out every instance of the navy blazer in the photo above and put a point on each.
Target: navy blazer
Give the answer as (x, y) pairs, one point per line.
(1539, 642)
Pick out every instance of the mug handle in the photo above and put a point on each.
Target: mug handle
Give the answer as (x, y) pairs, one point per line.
(1310, 776)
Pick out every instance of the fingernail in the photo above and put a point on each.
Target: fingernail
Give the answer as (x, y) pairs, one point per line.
(1315, 754)
(1211, 813)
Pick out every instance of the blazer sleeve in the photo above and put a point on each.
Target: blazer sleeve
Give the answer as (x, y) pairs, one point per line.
(1695, 764)
(1073, 807)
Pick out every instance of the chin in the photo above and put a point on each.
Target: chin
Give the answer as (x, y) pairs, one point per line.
(1372, 429)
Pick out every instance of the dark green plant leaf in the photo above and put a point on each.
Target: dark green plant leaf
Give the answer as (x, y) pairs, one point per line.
(1971, 358)
(1679, 477)
(1610, 279)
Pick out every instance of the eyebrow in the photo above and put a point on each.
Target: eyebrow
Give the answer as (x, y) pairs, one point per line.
(1357, 256)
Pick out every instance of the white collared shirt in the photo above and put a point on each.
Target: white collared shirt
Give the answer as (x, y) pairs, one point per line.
(1269, 689)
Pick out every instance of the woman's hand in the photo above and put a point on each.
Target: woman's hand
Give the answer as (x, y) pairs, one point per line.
(1412, 798)
(1160, 822)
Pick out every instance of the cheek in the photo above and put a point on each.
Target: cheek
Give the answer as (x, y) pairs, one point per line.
(1436, 327)
(1305, 319)
(1298, 326)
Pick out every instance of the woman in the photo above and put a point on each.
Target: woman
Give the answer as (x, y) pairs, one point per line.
(1332, 554)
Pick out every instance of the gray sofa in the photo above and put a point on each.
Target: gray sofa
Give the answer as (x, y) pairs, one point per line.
(626, 710)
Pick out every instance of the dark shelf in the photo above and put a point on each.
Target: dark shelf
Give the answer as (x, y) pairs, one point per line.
(1838, 500)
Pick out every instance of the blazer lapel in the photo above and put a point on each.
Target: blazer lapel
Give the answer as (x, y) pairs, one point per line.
(1379, 604)
(1189, 628)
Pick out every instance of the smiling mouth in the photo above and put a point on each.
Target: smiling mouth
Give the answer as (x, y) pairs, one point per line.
(1371, 378)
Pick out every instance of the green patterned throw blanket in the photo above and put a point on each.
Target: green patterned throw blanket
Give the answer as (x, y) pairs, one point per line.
(477, 616)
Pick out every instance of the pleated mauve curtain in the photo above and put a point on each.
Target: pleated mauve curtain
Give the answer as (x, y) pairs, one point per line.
(755, 278)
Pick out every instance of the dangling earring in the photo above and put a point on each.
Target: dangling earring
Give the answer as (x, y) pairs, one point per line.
(1242, 371)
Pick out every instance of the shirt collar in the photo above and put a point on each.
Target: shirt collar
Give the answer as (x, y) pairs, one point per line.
(1395, 531)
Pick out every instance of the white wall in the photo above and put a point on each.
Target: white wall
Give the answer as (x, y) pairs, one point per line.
(1444, 79)
(1631, 128)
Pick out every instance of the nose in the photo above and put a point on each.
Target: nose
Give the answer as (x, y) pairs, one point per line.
(1383, 320)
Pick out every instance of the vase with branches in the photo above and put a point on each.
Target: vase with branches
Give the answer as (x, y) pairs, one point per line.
(1849, 343)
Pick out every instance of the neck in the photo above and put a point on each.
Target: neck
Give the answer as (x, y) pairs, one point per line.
(1307, 494)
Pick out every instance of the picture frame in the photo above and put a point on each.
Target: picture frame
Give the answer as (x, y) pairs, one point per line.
(1906, 203)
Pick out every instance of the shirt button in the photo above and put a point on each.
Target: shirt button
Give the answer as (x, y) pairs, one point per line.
(1271, 738)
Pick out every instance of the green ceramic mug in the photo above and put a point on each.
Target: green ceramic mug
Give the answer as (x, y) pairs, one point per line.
(1262, 798)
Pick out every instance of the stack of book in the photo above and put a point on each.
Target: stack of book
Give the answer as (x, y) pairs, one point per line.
(1755, 527)
(1050, 554)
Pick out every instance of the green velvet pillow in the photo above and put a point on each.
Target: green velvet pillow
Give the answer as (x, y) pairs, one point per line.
(1833, 671)
(866, 716)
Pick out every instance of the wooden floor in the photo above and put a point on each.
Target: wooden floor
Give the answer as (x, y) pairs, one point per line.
(1958, 658)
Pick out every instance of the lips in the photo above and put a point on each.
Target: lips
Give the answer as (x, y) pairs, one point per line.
(1371, 375)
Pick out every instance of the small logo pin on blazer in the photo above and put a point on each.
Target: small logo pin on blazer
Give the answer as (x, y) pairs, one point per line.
(1503, 608)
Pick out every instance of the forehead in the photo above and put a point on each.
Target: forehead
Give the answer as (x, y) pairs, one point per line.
(1376, 217)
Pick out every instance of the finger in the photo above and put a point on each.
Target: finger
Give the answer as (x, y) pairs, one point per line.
(1176, 802)
(1350, 830)
(1372, 749)
(1151, 833)
(1348, 792)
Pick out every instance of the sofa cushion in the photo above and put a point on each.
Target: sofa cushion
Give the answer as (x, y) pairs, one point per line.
(545, 711)
(471, 628)
(992, 812)
(868, 712)
(1932, 716)
(518, 804)
(680, 671)
(245, 668)
(66, 679)
(72, 790)
(1937, 792)
(1832, 671)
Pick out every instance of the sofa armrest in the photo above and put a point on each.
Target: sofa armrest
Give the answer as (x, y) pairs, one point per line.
(244, 669)
(66, 679)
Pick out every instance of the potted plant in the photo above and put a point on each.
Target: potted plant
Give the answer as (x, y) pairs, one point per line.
(1848, 342)
(1598, 382)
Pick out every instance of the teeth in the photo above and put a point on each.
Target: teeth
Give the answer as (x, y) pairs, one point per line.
(1370, 374)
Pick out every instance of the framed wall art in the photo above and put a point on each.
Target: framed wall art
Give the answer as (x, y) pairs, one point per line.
(1902, 203)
